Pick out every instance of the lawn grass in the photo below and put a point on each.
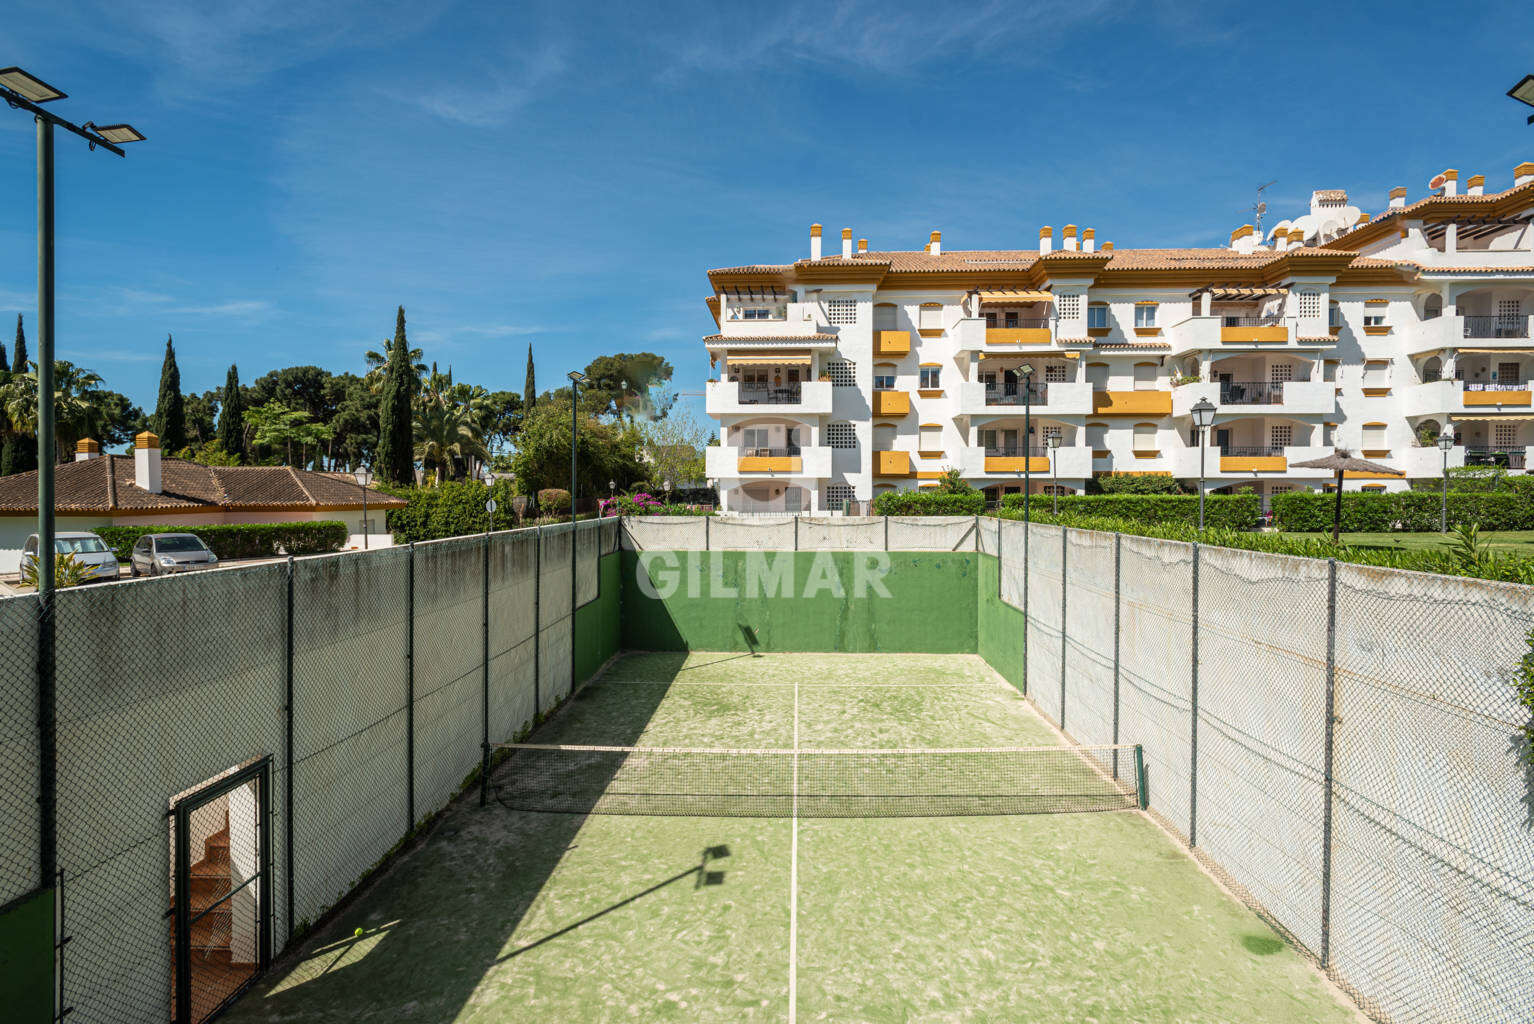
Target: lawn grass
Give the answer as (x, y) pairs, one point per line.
(1505, 542)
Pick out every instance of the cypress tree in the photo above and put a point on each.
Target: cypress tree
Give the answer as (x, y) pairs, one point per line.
(231, 420)
(170, 411)
(396, 433)
(19, 454)
(529, 389)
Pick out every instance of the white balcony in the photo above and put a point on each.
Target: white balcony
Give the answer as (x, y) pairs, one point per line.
(1217, 332)
(1447, 397)
(732, 398)
(1490, 332)
(1073, 462)
(764, 463)
(1290, 398)
(1059, 399)
(1247, 463)
(1426, 460)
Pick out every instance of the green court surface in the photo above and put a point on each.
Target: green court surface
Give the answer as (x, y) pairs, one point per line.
(509, 915)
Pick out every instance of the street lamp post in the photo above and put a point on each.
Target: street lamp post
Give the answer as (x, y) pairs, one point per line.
(666, 486)
(1054, 472)
(489, 477)
(1027, 371)
(576, 380)
(1203, 419)
(1523, 92)
(1445, 444)
(364, 476)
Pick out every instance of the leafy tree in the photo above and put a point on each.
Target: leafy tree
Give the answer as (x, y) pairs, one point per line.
(628, 382)
(19, 453)
(170, 410)
(500, 417)
(201, 415)
(529, 385)
(278, 426)
(297, 387)
(120, 419)
(604, 451)
(952, 483)
(231, 425)
(396, 446)
(354, 423)
(673, 448)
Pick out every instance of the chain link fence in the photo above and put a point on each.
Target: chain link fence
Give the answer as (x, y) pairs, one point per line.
(1340, 744)
(801, 533)
(363, 687)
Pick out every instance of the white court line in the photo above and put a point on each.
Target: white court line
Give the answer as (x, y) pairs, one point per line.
(793, 880)
(984, 684)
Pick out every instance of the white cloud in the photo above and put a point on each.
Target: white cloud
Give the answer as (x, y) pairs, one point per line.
(499, 92)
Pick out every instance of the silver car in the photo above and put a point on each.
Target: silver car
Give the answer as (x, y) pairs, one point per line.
(87, 548)
(157, 553)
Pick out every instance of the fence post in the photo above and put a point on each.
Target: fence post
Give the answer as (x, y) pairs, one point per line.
(886, 533)
(1331, 721)
(1064, 547)
(1118, 554)
(575, 531)
(707, 543)
(287, 752)
(1001, 567)
(1193, 724)
(410, 687)
(537, 617)
(796, 533)
(484, 678)
(1026, 532)
(47, 744)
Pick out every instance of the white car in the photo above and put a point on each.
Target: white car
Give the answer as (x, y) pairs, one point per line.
(87, 548)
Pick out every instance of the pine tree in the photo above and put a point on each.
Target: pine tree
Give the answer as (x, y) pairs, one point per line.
(529, 389)
(19, 455)
(170, 411)
(231, 421)
(396, 436)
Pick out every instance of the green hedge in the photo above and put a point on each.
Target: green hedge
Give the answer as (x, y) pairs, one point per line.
(1443, 560)
(929, 503)
(1223, 511)
(1407, 511)
(240, 540)
(450, 509)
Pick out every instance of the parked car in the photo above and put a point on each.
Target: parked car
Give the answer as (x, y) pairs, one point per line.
(87, 548)
(157, 553)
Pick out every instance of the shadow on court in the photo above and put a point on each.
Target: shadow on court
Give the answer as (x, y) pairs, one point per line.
(420, 939)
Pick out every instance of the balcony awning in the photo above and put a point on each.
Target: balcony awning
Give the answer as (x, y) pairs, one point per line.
(1518, 350)
(1238, 293)
(1498, 418)
(999, 296)
(770, 359)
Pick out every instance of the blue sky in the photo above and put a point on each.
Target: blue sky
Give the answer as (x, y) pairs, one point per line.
(564, 174)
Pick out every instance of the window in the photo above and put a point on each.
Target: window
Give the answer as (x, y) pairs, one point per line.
(1278, 373)
(755, 437)
(1373, 318)
(1503, 435)
(1508, 316)
(1145, 314)
(884, 381)
(1145, 376)
(1280, 435)
(1328, 435)
(843, 373)
(1329, 370)
(931, 318)
(1334, 316)
(842, 311)
(1310, 304)
(1376, 374)
(1068, 306)
(762, 313)
(931, 377)
(1097, 436)
(839, 494)
(1432, 307)
(1056, 373)
(1053, 431)
(931, 437)
(1097, 317)
(1097, 375)
(841, 435)
(1011, 318)
(1145, 437)
(990, 321)
(1374, 436)
(884, 316)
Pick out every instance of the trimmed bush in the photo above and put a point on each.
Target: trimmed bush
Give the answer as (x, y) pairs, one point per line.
(929, 503)
(240, 540)
(553, 499)
(1221, 511)
(451, 509)
(1135, 483)
(1406, 511)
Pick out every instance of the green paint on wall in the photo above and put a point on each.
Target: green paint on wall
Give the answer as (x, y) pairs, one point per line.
(596, 622)
(800, 601)
(26, 959)
(1001, 626)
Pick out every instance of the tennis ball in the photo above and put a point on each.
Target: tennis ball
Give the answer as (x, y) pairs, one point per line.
(358, 933)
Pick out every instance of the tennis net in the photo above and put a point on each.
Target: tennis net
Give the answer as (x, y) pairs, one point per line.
(819, 783)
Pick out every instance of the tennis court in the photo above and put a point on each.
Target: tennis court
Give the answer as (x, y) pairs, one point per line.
(877, 890)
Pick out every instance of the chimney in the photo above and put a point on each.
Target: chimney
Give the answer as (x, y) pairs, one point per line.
(1068, 238)
(1089, 240)
(1363, 218)
(935, 247)
(1398, 196)
(1296, 238)
(862, 245)
(1046, 239)
(1451, 182)
(1475, 185)
(1523, 173)
(146, 462)
(1107, 247)
(814, 241)
(85, 448)
(846, 243)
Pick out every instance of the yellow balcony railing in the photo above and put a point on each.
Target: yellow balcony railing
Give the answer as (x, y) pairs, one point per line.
(1132, 403)
(1017, 336)
(892, 343)
(892, 463)
(891, 403)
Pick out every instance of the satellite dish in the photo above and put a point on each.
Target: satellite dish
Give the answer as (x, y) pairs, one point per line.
(1437, 182)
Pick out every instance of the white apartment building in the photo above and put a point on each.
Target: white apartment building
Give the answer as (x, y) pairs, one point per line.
(847, 374)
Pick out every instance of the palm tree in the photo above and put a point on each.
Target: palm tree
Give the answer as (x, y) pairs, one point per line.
(378, 363)
(446, 436)
(77, 409)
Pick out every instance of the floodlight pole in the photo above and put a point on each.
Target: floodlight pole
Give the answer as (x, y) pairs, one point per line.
(1027, 443)
(46, 455)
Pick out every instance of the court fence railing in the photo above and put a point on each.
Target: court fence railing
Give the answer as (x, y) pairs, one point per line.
(372, 685)
(1341, 745)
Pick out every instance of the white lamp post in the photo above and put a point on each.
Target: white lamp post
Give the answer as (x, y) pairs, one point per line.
(364, 477)
(1445, 443)
(1053, 441)
(1203, 419)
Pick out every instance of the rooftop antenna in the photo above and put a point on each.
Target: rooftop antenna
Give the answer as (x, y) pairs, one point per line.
(1260, 207)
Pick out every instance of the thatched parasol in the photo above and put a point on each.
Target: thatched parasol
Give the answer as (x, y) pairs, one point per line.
(1341, 462)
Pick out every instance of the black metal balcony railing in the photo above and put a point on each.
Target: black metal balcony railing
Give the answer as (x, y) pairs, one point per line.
(1019, 322)
(771, 453)
(1252, 451)
(1509, 458)
(1251, 392)
(1018, 451)
(1273, 320)
(770, 394)
(1013, 394)
(1509, 385)
(1496, 326)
